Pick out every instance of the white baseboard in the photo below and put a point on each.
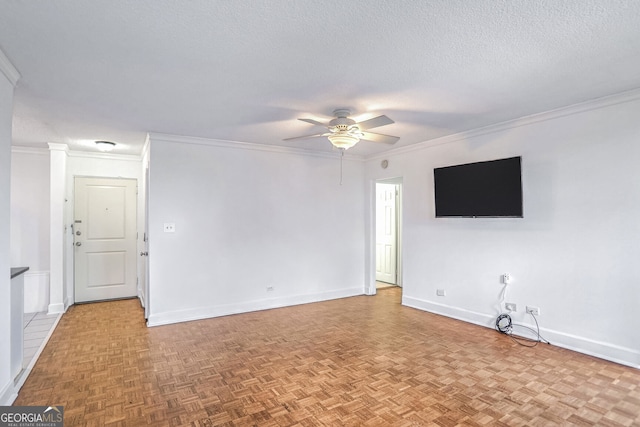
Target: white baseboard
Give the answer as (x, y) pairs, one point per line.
(481, 319)
(8, 394)
(170, 317)
(56, 308)
(607, 351)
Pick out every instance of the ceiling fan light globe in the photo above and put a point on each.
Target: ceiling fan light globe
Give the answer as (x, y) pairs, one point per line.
(343, 140)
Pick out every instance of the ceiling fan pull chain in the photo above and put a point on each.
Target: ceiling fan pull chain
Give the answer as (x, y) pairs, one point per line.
(341, 157)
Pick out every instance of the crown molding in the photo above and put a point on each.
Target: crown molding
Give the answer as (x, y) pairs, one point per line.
(593, 104)
(145, 147)
(246, 146)
(18, 149)
(54, 146)
(8, 69)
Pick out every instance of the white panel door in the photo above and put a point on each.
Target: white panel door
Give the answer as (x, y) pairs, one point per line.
(386, 233)
(105, 239)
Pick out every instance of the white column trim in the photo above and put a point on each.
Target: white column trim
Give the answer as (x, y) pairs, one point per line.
(58, 166)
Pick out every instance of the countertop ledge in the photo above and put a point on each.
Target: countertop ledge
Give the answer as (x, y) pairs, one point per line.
(16, 271)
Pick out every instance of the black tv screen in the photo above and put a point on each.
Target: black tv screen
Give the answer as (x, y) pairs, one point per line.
(483, 189)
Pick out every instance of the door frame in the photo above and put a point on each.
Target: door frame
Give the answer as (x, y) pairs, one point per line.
(380, 212)
(70, 244)
(68, 285)
(144, 260)
(65, 165)
(371, 280)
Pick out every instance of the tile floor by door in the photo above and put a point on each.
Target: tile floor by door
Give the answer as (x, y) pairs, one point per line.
(36, 329)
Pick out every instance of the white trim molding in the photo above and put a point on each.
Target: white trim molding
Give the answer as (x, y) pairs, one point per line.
(8, 69)
(39, 151)
(607, 351)
(170, 317)
(248, 146)
(594, 104)
(8, 394)
(54, 146)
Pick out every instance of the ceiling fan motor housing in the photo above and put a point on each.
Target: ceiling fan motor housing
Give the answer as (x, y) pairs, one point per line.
(342, 123)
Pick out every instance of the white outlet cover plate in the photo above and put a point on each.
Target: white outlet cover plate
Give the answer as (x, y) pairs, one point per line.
(169, 227)
(533, 310)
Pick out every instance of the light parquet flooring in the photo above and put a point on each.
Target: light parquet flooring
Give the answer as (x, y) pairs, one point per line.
(361, 361)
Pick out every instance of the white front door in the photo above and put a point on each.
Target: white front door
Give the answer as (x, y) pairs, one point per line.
(104, 239)
(386, 233)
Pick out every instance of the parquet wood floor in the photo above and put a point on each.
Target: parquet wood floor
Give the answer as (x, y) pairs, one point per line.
(361, 361)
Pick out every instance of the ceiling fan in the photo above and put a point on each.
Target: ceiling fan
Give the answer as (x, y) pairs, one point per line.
(345, 132)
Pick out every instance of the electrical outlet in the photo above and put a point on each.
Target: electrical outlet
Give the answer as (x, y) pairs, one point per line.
(440, 292)
(506, 278)
(511, 306)
(269, 288)
(533, 310)
(169, 227)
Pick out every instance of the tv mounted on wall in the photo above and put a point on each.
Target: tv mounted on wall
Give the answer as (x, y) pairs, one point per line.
(482, 189)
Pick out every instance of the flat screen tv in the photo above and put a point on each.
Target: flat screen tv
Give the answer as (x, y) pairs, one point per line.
(482, 189)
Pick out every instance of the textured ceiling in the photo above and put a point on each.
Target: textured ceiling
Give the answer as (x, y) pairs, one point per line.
(245, 70)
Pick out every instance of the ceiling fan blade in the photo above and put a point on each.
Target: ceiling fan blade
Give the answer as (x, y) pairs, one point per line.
(314, 122)
(305, 137)
(375, 122)
(378, 137)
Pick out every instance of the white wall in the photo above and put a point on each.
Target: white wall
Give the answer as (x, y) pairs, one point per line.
(8, 78)
(575, 252)
(248, 217)
(30, 223)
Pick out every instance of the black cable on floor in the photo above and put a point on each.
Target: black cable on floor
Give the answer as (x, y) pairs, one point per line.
(505, 326)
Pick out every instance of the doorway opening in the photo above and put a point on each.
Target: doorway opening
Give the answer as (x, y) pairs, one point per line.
(388, 233)
(104, 239)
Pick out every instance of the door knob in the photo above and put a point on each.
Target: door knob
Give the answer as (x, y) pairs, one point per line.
(78, 233)
(144, 253)
(78, 243)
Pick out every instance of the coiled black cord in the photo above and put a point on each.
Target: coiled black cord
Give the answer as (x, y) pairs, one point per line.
(505, 325)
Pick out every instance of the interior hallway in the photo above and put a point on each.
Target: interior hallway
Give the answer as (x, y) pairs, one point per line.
(364, 360)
